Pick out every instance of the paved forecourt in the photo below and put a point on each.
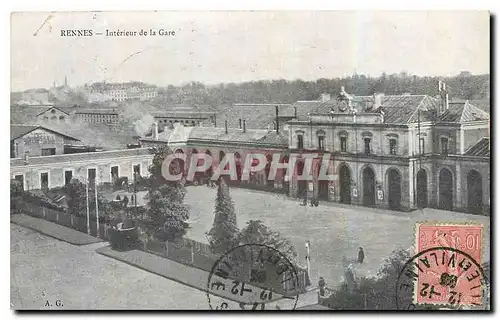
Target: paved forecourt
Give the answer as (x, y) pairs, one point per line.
(335, 230)
(44, 270)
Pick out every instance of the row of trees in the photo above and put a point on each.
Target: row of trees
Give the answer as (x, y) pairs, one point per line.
(462, 86)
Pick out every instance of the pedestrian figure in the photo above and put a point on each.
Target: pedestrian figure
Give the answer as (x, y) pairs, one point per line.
(304, 202)
(321, 285)
(118, 198)
(361, 255)
(132, 199)
(125, 201)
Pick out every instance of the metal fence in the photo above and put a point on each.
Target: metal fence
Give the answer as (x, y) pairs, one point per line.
(65, 219)
(199, 255)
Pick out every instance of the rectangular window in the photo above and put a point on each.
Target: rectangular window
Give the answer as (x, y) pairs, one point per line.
(422, 145)
(44, 180)
(68, 175)
(368, 145)
(91, 175)
(48, 151)
(321, 142)
(392, 146)
(20, 179)
(137, 170)
(444, 145)
(300, 141)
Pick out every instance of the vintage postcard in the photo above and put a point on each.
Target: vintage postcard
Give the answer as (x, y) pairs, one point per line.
(250, 160)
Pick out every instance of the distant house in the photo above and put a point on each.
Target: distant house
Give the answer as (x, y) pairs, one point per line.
(37, 141)
(187, 118)
(97, 115)
(53, 115)
(124, 91)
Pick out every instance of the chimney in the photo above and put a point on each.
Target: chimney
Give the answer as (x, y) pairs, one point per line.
(244, 126)
(225, 125)
(325, 97)
(377, 100)
(240, 123)
(443, 93)
(154, 131)
(277, 120)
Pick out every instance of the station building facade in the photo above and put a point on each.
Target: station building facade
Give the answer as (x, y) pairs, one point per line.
(396, 152)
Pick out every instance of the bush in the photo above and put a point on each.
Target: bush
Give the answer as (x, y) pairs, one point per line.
(123, 239)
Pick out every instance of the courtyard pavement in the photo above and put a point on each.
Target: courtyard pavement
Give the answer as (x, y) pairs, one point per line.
(45, 269)
(53, 230)
(334, 230)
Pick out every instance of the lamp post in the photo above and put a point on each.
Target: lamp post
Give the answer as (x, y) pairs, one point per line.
(135, 196)
(88, 209)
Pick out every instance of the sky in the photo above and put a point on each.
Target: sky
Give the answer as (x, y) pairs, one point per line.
(222, 47)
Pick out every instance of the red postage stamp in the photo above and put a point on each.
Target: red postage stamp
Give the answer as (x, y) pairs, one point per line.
(449, 276)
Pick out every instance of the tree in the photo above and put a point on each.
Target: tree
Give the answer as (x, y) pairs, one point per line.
(77, 197)
(257, 233)
(224, 233)
(166, 210)
(373, 293)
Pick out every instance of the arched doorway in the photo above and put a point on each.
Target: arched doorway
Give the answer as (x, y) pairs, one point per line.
(422, 189)
(474, 192)
(322, 185)
(301, 184)
(394, 196)
(368, 187)
(345, 184)
(445, 189)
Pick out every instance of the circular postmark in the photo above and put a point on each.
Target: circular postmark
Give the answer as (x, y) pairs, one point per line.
(441, 277)
(253, 277)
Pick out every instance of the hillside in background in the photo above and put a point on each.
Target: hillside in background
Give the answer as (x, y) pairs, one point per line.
(462, 86)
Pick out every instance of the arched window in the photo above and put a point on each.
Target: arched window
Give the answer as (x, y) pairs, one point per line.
(321, 139)
(300, 139)
(367, 138)
(343, 140)
(393, 143)
(61, 118)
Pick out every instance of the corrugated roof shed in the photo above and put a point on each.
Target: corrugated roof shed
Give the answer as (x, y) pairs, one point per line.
(256, 116)
(18, 130)
(237, 135)
(86, 156)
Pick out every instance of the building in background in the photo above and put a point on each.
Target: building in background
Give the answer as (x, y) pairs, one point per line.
(123, 91)
(53, 115)
(36, 141)
(396, 152)
(108, 116)
(187, 118)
